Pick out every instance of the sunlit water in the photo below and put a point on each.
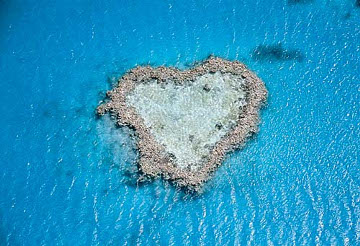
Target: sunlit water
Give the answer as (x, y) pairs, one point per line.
(65, 177)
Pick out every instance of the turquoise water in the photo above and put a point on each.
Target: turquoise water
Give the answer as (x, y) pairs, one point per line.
(66, 176)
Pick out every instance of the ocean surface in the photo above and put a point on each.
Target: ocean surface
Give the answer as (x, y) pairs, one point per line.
(66, 176)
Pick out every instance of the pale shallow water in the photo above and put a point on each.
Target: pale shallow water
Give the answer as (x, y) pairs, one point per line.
(184, 118)
(64, 178)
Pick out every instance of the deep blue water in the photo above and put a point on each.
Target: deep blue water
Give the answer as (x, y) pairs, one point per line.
(64, 176)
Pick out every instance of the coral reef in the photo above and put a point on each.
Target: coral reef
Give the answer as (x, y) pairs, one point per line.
(186, 121)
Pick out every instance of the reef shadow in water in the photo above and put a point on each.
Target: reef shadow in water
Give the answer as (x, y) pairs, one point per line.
(276, 52)
(357, 3)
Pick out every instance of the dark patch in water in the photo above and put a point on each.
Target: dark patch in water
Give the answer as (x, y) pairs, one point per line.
(347, 15)
(51, 109)
(69, 173)
(292, 2)
(357, 3)
(276, 52)
(46, 113)
(80, 110)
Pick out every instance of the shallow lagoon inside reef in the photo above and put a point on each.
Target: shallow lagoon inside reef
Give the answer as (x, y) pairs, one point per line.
(65, 175)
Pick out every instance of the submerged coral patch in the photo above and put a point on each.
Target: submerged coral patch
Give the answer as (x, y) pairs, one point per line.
(276, 52)
(187, 120)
